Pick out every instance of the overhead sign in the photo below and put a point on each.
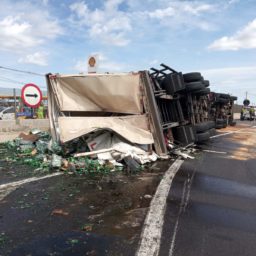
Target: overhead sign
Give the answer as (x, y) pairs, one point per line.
(31, 95)
(93, 61)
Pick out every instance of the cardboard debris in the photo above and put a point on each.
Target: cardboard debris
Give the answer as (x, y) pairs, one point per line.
(60, 212)
(93, 152)
(104, 152)
(56, 161)
(183, 154)
(110, 147)
(28, 137)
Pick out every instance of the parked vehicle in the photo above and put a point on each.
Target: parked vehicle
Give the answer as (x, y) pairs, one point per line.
(247, 113)
(26, 112)
(7, 113)
(221, 109)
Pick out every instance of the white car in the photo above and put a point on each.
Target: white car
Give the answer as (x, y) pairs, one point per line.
(7, 113)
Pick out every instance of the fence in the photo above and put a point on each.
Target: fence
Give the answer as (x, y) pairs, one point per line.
(12, 98)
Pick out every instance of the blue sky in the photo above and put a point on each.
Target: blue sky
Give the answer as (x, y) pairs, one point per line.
(217, 38)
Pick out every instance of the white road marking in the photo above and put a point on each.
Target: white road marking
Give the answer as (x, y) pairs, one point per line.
(21, 182)
(183, 206)
(213, 151)
(177, 221)
(151, 233)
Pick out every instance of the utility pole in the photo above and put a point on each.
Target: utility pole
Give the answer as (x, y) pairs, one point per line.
(246, 95)
(15, 104)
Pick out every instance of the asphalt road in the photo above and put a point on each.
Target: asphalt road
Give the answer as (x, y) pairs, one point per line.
(211, 206)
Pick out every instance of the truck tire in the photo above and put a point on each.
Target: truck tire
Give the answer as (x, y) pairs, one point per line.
(206, 83)
(203, 91)
(212, 131)
(218, 126)
(219, 121)
(221, 100)
(232, 123)
(222, 95)
(203, 136)
(233, 98)
(194, 86)
(131, 163)
(201, 127)
(192, 77)
(211, 124)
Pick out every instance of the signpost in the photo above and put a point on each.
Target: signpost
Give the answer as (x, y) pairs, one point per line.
(93, 63)
(31, 95)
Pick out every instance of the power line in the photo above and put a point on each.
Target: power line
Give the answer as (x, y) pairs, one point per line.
(11, 80)
(6, 81)
(21, 71)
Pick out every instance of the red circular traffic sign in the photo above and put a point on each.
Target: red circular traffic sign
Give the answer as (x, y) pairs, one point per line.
(31, 95)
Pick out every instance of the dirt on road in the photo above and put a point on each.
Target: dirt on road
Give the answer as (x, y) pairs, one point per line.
(73, 214)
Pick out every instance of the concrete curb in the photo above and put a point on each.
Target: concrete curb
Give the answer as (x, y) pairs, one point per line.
(23, 124)
(153, 225)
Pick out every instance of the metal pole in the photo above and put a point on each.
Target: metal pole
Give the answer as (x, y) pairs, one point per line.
(15, 104)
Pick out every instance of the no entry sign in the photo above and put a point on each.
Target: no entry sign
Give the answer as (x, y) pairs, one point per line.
(31, 95)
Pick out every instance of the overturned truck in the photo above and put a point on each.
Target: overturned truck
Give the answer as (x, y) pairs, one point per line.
(137, 112)
(86, 106)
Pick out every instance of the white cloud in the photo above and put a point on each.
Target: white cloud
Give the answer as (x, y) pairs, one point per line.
(25, 26)
(154, 62)
(37, 58)
(242, 39)
(194, 8)
(112, 32)
(112, 25)
(192, 14)
(105, 65)
(108, 25)
(81, 66)
(80, 9)
(162, 13)
(112, 4)
(233, 1)
(112, 66)
(16, 34)
(45, 2)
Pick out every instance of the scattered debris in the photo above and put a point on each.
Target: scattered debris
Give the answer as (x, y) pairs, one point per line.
(3, 239)
(110, 153)
(182, 154)
(147, 196)
(33, 152)
(72, 242)
(94, 217)
(98, 152)
(59, 212)
(87, 227)
(28, 137)
(56, 161)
